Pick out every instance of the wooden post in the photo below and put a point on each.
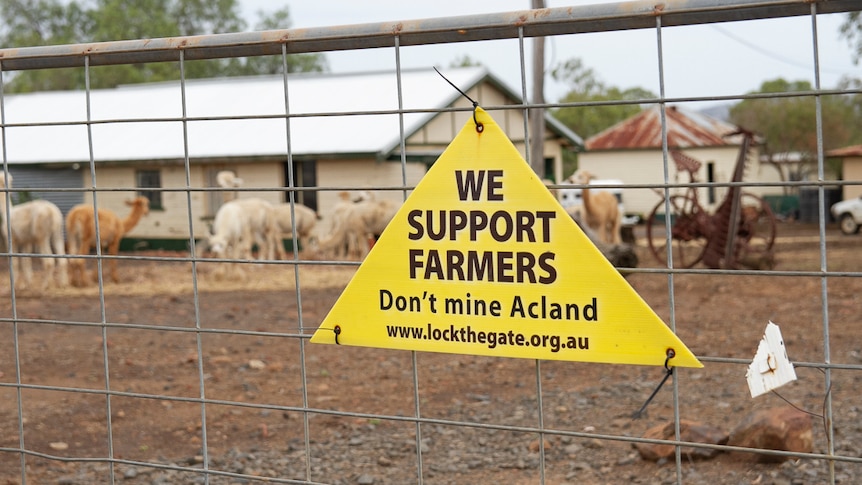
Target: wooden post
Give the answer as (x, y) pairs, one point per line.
(537, 115)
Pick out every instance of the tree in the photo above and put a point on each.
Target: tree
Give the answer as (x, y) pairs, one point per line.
(280, 19)
(587, 87)
(537, 115)
(588, 121)
(852, 30)
(53, 22)
(464, 61)
(789, 124)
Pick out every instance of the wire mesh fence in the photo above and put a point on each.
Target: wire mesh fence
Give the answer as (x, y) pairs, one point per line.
(188, 364)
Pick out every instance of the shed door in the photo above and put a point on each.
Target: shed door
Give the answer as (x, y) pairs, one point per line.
(305, 175)
(42, 178)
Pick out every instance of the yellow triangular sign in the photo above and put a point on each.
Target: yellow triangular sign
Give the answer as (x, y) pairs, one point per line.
(482, 260)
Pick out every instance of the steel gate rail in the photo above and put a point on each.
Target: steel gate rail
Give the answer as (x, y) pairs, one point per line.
(496, 26)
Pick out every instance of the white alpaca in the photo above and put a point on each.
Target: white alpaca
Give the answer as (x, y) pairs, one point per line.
(340, 241)
(263, 226)
(230, 237)
(37, 227)
(377, 214)
(306, 221)
(228, 180)
(355, 225)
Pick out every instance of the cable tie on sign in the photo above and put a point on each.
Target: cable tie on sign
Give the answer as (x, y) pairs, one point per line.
(336, 331)
(479, 126)
(670, 354)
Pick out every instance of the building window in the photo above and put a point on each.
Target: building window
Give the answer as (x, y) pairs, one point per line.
(304, 175)
(150, 179)
(710, 177)
(550, 174)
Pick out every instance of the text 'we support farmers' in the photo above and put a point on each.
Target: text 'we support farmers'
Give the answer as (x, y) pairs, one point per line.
(467, 225)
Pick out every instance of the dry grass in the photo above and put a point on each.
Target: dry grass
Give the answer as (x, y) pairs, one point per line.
(170, 275)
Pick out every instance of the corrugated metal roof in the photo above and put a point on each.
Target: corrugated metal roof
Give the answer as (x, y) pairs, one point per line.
(120, 131)
(685, 129)
(851, 151)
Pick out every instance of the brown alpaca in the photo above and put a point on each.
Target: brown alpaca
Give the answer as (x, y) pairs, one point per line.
(601, 210)
(81, 234)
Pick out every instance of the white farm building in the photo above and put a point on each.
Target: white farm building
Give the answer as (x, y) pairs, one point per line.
(344, 132)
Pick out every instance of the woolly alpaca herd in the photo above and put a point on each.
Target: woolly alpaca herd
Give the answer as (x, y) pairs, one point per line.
(241, 225)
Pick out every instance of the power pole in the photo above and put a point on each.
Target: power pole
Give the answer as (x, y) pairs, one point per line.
(537, 115)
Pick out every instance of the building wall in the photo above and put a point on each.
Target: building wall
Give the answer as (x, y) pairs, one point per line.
(646, 167)
(442, 129)
(172, 220)
(361, 173)
(32, 178)
(107, 177)
(852, 172)
(264, 175)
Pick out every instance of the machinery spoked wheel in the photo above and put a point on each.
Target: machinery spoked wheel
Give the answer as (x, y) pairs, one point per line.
(755, 237)
(686, 240)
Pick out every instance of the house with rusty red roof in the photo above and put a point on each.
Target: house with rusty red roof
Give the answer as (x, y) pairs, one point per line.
(632, 151)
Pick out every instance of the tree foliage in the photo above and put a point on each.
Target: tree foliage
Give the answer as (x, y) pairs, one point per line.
(464, 61)
(54, 22)
(280, 19)
(852, 30)
(586, 87)
(789, 123)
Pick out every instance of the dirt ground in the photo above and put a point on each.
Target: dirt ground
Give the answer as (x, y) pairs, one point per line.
(251, 358)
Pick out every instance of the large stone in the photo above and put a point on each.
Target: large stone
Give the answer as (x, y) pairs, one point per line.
(784, 428)
(690, 431)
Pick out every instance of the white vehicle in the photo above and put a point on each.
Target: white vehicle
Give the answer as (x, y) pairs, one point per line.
(848, 213)
(572, 197)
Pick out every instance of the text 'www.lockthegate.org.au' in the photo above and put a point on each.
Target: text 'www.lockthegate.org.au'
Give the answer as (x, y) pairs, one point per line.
(495, 339)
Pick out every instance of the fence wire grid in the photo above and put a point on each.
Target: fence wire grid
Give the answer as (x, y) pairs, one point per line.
(309, 426)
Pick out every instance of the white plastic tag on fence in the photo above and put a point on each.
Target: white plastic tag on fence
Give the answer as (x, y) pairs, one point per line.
(770, 368)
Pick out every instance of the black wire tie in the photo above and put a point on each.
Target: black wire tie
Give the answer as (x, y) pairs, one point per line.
(337, 331)
(479, 126)
(670, 355)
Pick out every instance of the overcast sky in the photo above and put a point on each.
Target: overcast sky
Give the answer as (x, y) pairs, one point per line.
(709, 60)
